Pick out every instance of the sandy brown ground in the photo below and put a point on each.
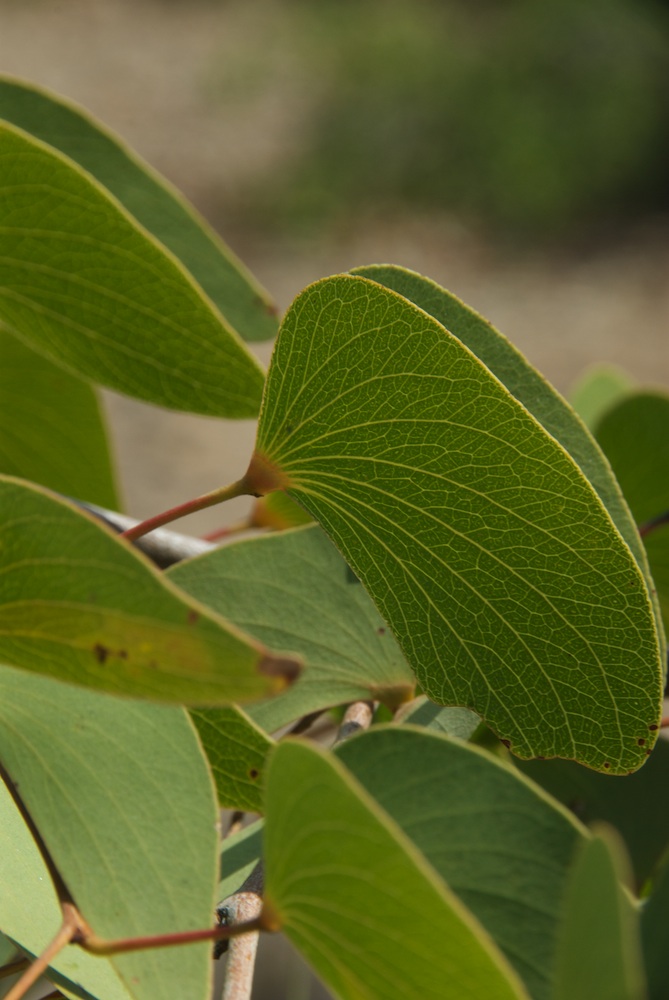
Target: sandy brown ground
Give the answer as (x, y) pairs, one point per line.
(149, 70)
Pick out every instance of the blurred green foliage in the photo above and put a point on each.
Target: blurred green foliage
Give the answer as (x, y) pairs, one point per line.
(520, 114)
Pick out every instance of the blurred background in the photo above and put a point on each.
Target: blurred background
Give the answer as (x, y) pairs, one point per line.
(516, 151)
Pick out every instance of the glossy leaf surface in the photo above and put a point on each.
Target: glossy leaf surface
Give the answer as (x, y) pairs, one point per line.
(294, 589)
(357, 898)
(599, 951)
(481, 542)
(147, 196)
(81, 606)
(634, 434)
(635, 804)
(84, 284)
(500, 844)
(121, 794)
(524, 382)
(51, 427)
(30, 913)
(236, 750)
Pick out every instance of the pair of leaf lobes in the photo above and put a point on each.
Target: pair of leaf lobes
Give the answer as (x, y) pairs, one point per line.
(391, 446)
(479, 539)
(477, 534)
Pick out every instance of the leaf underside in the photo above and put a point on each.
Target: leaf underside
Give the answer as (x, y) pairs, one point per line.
(359, 901)
(83, 283)
(148, 197)
(480, 540)
(80, 606)
(122, 797)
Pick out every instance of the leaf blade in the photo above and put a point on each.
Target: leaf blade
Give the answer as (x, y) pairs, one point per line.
(356, 899)
(51, 427)
(468, 524)
(147, 196)
(90, 288)
(122, 797)
(81, 606)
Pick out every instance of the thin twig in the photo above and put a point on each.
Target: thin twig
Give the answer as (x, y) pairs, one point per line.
(12, 968)
(67, 932)
(655, 522)
(164, 547)
(357, 717)
(245, 907)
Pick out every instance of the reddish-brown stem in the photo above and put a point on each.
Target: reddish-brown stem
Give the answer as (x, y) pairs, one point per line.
(12, 968)
(70, 928)
(100, 946)
(231, 529)
(239, 489)
(655, 522)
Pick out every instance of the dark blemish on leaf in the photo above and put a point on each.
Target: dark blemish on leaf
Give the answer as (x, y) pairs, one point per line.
(606, 764)
(380, 631)
(648, 753)
(653, 728)
(193, 616)
(539, 757)
(122, 654)
(269, 307)
(100, 652)
(277, 666)
(507, 743)
(641, 742)
(253, 773)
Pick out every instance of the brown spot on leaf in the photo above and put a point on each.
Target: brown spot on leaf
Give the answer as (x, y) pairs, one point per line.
(653, 728)
(641, 742)
(100, 652)
(380, 631)
(606, 764)
(193, 616)
(507, 743)
(253, 773)
(285, 668)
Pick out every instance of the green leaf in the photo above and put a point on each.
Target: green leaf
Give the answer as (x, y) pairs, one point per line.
(122, 797)
(655, 934)
(529, 388)
(421, 711)
(294, 589)
(7, 947)
(500, 844)
(51, 427)
(635, 804)
(599, 951)
(359, 901)
(481, 542)
(239, 856)
(236, 749)
(30, 912)
(278, 512)
(598, 389)
(83, 283)
(81, 606)
(147, 196)
(634, 434)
